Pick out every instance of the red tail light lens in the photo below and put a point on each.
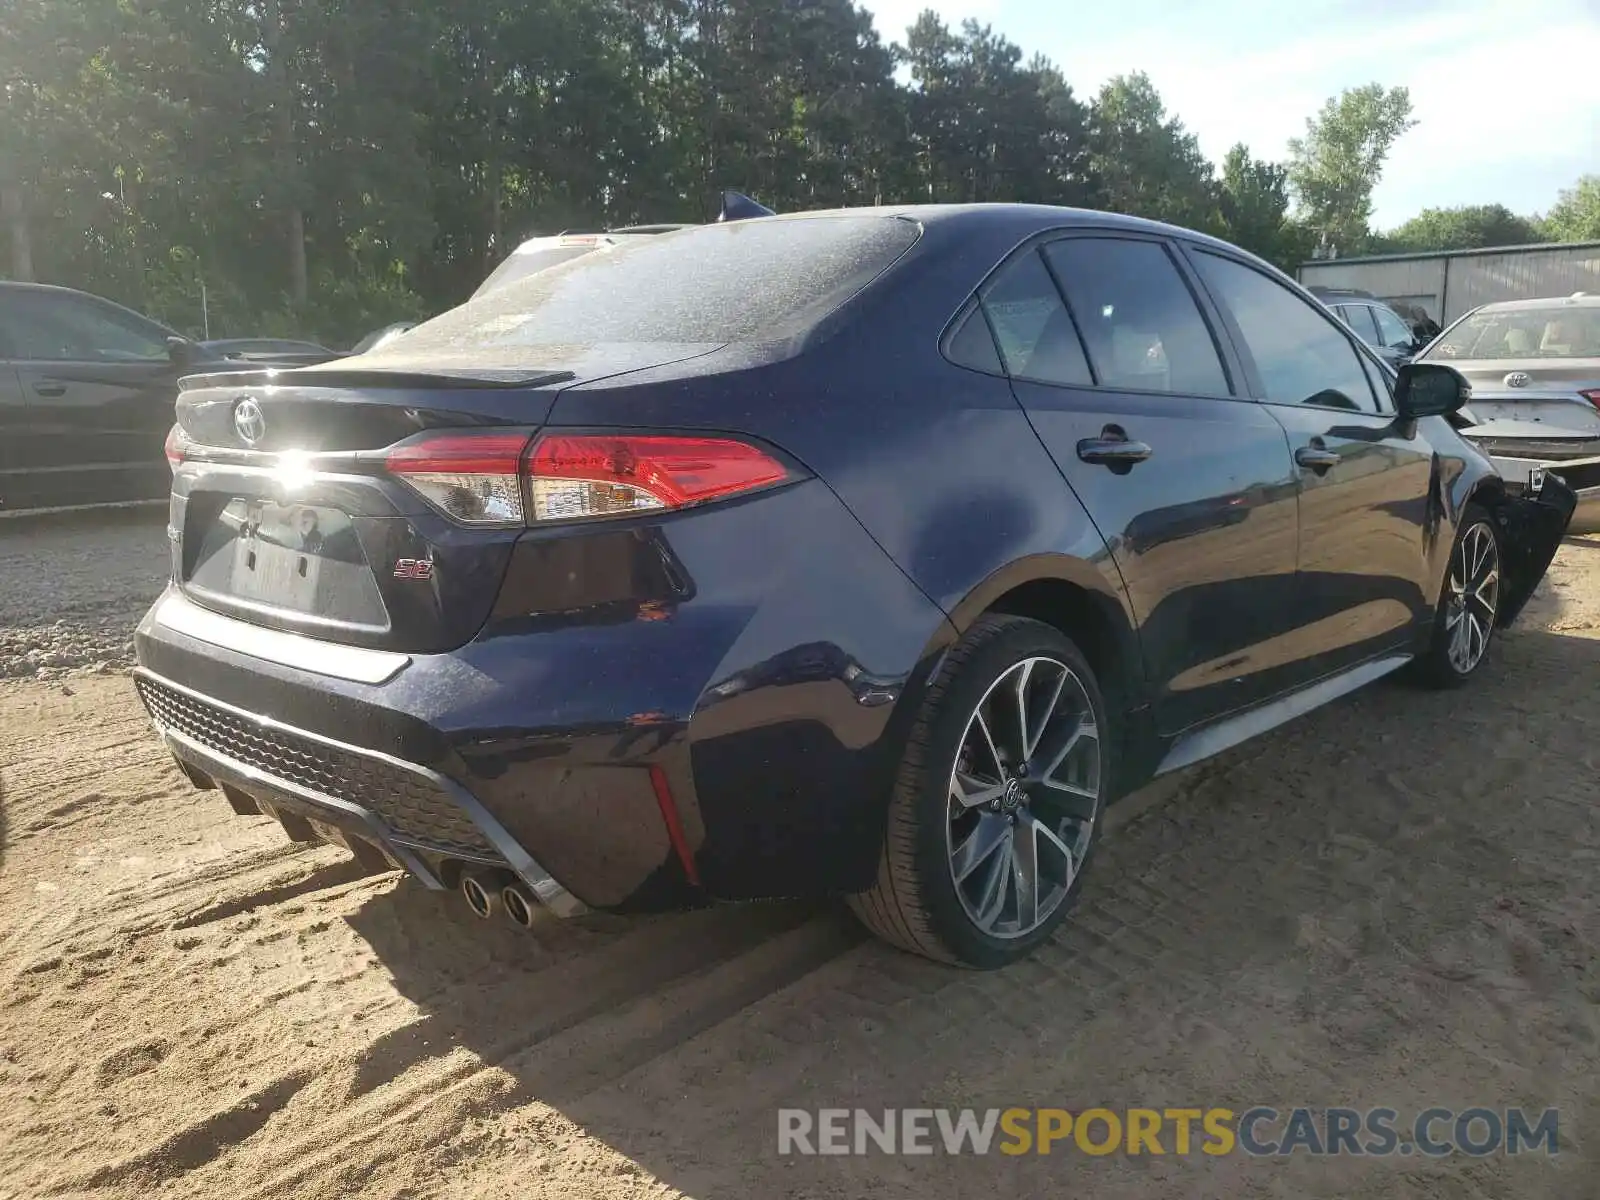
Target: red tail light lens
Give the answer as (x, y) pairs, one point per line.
(1592, 395)
(478, 478)
(472, 478)
(606, 475)
(176, 446)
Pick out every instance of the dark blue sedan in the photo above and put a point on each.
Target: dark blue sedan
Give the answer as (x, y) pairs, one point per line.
(865, 553)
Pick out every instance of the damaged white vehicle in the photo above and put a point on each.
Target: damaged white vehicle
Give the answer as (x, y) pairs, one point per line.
(1534, 367)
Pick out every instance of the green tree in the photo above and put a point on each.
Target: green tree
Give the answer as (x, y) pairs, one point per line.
(1576, 215)
(1469, 227)
(985, 126)
(1254, 203)
(1334, 168)
(1146, 163)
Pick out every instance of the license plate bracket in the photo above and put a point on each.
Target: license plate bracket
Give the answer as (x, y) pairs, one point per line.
(302, 558)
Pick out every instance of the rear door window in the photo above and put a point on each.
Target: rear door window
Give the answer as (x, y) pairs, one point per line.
(1392, 331)
(1036, 336)
(1300, 353)
(1140, 324)
(972, 344)
(766, 279)
(1359, 318)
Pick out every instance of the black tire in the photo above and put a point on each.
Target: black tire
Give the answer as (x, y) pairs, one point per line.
(915, 903)
(1436, 667)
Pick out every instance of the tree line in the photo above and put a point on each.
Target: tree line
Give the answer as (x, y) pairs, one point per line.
(327, 166)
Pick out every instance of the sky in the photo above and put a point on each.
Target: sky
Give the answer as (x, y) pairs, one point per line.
(1506, 94)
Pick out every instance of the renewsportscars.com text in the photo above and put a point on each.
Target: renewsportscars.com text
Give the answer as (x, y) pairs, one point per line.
(1260, 1131)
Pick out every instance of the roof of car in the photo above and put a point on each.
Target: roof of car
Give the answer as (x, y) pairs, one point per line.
(18, 285)
(1024, 218)
(1576, 300)
(1346, 295)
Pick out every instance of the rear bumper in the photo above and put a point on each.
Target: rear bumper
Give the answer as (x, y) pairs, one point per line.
(733, 740)
(416, 818)
(1580, 474)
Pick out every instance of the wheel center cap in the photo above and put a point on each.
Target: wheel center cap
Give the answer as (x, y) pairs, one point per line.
(1012, 799)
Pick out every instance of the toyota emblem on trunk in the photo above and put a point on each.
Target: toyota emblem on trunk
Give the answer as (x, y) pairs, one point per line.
(1518, 379)
(248, 421)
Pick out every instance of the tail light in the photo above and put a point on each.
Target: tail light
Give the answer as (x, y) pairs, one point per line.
(497, 479)
(473, 478)
(1592, 395)
(176, 446)
(600, 476)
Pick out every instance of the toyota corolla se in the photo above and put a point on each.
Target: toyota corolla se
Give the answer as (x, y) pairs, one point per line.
(866, 553)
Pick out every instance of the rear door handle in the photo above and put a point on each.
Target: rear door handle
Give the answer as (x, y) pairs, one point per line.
(50, 389)
(1113, 451)
(1316, 458)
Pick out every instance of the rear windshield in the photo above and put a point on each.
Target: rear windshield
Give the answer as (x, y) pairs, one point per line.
(523, 263)
(744, 281)
(1555, 332)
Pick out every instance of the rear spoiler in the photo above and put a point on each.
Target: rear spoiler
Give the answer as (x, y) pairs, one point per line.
(335, 376)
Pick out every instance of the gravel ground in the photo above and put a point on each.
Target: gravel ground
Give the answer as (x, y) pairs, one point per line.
(72, 587)
(1390, 901)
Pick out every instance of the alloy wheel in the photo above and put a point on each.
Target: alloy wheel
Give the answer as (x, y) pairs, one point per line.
(1473, 598)
(1023, 798)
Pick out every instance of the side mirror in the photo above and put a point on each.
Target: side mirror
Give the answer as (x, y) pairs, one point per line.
(182, 352)
(1429, 390)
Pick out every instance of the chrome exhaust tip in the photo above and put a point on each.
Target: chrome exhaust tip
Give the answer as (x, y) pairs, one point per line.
(518, 903)
(481, 894)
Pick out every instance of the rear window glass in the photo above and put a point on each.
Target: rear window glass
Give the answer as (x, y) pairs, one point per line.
(524, 263)
(743, 281)
(1566, 332)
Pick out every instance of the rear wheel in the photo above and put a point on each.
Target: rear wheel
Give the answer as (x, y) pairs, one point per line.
(1469, 606)
(998, 800)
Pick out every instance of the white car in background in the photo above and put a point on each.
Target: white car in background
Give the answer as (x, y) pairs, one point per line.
(1534, 367)
(541, 253)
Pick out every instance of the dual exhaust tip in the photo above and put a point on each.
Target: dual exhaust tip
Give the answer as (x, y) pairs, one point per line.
(490, 892)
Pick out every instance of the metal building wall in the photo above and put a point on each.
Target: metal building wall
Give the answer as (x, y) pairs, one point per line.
(1389, 278)
(1448, 285)
(1481, 279)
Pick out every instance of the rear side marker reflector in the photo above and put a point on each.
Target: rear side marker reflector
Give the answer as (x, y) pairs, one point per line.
(496, 479)
(669, 816)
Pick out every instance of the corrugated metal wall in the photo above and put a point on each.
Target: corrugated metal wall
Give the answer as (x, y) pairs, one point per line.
(1449, 285)
(1482, 278)
(1422, 277)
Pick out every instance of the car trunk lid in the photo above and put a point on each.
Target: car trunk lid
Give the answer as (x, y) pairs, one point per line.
(291, 507)
(1549, 392)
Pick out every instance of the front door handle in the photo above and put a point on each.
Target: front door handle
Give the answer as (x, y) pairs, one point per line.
(1113, 451)
(50, 389)
(1316, 458)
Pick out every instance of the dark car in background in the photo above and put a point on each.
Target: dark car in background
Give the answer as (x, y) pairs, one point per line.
(86, 394)
(1389, 334)
(865, 553)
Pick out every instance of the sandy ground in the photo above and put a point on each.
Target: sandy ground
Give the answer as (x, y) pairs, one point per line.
(1389, 902)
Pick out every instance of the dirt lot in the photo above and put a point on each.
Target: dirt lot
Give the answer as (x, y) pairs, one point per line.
(1390, 902)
